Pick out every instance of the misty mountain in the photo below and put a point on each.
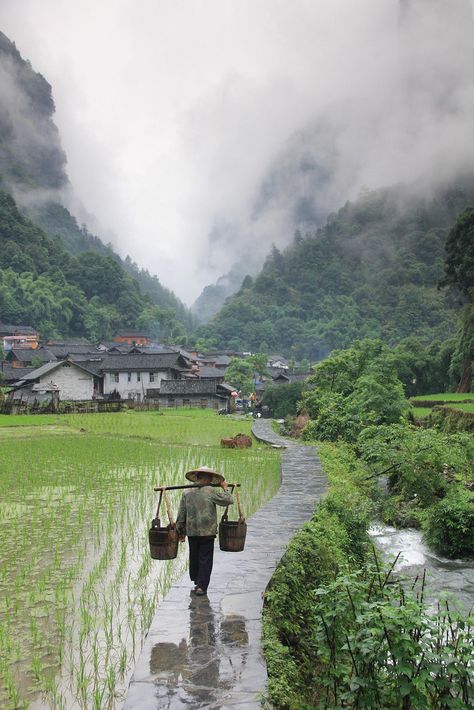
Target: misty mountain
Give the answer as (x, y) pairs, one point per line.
(371, 271)
(33, 171)
(88, 295)
(31, 155)
(408, 118)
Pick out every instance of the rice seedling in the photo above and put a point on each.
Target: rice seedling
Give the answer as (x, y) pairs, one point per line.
(77, 583)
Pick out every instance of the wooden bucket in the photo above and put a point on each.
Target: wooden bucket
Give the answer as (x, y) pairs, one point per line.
(163, 543)
(163, 540)
(232, 533)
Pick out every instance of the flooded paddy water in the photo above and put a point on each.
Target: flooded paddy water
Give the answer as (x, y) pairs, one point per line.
(78, 588)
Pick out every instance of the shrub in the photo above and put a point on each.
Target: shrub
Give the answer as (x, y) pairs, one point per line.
(414, 459)
(282, 400)
(450, 524)
(449, 419)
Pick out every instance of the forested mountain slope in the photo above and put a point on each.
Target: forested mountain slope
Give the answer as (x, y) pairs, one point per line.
(87, 295)
(33, 171)
(372, 271)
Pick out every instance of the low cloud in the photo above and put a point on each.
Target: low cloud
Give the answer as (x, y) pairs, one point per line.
(200, 133)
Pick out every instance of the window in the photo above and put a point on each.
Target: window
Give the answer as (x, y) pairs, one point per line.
(139, 376)
(152, 376)
(129, 376)
(115, 377)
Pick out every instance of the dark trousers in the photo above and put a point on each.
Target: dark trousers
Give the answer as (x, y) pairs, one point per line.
(201, 555)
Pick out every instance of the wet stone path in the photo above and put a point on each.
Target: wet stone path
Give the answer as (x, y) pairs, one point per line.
(205, 652)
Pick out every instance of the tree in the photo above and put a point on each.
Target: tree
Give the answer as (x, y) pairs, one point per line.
(353, 389)
(459, 272)
(240, 374)
(459, 265)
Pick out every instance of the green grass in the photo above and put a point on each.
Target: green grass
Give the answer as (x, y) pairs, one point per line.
(78, 588)
(466, 407)
(421, 412)
(445, 397)
(176, 426)
(10, 420)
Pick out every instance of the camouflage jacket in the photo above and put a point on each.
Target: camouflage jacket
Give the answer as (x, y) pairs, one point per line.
(197, 513)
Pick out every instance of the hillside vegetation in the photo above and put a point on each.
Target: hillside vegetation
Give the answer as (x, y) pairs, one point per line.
(372, 271)
(94, 292)
(87, 295)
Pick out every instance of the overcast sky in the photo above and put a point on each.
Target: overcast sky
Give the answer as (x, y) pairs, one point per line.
(174, 112)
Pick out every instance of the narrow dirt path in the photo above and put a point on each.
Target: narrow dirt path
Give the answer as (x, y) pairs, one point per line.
(205, 652)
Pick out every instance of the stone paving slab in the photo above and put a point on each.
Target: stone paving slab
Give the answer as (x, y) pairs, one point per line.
(205, 652)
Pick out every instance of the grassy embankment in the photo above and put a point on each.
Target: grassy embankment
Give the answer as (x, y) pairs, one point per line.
(78, 588)
(453, 400)
(339, 632)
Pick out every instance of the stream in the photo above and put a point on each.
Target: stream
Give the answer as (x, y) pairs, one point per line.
(444, 577)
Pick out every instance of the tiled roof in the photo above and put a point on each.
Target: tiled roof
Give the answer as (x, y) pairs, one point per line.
(16, 330)
(130, 333)
(50, 367)
(212, 372)
(197, 387)
(144, 361)
(223, 361)
(13, 374)
(62, 350)
(27, 354)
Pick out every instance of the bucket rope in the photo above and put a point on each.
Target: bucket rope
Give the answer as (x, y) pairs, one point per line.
(164, 494)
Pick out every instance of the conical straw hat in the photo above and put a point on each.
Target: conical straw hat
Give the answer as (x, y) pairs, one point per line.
(194, 475)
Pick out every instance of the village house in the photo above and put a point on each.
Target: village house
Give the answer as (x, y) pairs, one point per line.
(130, 376)
(17, 336)
(25, 357)
(71, 381)
(64, 349)
(9, 375)
(217, 360)
(132, 337)
(204, 393)
(286, 378)
(277, 362)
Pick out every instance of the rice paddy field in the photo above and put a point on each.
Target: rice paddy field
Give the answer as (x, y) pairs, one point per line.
(446, 397)
(454, 400)
(78, 588)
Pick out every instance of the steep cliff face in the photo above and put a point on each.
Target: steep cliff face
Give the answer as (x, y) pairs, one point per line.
(31, 156)
(38, 233)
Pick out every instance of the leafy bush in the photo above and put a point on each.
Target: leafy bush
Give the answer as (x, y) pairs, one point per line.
(351, 390)
(450, 525)
(330, 420)
(449, 419)
(315, 556)
(414, 459)
(282, 400)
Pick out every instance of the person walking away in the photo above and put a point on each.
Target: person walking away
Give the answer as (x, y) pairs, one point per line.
(197, 519)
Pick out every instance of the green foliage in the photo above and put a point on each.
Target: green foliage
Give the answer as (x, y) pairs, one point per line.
(339, 632)
(88, 295)
(414, 460)
(452, 419)
(450, 525)
(459, 272)
(372, 271)
(378, 647)
(423, 369)
(282, 400)
(352, 389)
(242, 372)
(459, 266)
(463, 355)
